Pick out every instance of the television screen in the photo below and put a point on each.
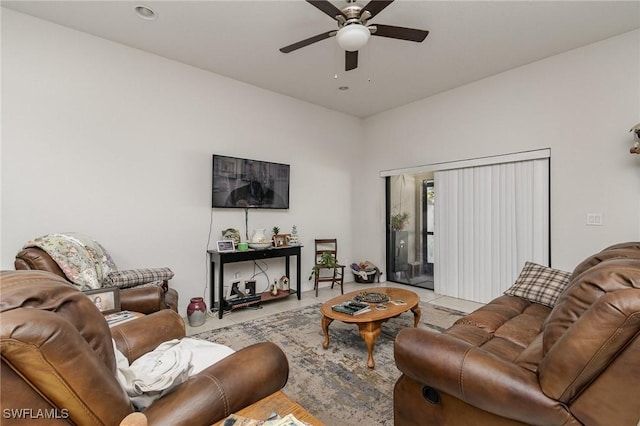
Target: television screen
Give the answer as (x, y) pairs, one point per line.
(240, 182)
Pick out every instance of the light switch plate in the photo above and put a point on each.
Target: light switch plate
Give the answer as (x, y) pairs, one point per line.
(594, 219)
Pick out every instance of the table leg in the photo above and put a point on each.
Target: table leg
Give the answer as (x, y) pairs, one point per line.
(325, 329)
(417, 314)
(220, 289)
(298, 274)
(370, 332)
(287, 268)
(212, 284)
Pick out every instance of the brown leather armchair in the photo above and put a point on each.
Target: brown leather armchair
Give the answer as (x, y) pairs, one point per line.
(513, 362)
(146, 299)
(57, 360)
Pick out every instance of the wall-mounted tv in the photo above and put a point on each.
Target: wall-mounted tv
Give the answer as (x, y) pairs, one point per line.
(244, 183)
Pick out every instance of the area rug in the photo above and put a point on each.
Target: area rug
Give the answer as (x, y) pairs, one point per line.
(334, 384)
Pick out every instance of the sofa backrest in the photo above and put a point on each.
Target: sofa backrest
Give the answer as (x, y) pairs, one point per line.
(595, 319)
(620, 251)
(34, 258)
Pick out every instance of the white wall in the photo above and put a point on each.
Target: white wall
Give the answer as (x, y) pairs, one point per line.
(114, 142)
(581, 104)
(107, 140)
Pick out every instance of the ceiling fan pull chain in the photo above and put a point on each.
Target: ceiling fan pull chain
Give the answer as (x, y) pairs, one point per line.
(369, 63)
(336, 62)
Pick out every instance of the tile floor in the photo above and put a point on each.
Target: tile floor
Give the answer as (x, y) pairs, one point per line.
(324, 294)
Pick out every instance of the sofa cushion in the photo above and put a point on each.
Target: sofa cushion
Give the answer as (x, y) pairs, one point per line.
(505, 327)
(539, 284)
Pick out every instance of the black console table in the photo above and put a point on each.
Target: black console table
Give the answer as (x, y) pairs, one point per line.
(242, 256)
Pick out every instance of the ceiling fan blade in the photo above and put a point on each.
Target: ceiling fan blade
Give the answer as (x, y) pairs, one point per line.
(410, 34)
(350, 60)
(375, 6)
(326, 7)
(307, 42)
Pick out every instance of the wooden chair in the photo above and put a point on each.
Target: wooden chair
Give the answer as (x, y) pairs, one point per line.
(330, 245)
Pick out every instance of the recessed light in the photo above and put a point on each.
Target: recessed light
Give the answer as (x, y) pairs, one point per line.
(343, 88)
(146, 13)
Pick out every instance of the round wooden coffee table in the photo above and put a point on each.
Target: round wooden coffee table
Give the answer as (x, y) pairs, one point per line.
(369, 323)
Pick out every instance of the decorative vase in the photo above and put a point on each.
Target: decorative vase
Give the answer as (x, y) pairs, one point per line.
(259, 236)
(197, 311)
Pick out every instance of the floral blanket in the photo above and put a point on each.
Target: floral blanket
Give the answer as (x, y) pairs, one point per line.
(83, 260)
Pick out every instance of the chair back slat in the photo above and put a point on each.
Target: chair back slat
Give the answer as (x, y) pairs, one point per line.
(323, 245)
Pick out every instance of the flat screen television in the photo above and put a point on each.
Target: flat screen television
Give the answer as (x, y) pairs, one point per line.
(244, 183)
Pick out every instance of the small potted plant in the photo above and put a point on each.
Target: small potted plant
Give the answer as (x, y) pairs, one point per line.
(279, 240)
(398, 221)
(327, 260)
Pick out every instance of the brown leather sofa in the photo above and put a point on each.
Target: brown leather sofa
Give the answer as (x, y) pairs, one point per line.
(513, 362)
(139, 299)
(57, 360)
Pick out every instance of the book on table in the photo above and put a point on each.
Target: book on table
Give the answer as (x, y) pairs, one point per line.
(351, 307)
(119, 317)
(273, 420)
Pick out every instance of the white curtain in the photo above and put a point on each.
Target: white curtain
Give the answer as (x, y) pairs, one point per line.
(489, 221)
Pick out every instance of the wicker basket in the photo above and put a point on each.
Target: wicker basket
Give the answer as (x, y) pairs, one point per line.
(371, 275)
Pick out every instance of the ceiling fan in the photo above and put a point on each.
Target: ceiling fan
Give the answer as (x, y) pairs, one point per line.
(353, 29)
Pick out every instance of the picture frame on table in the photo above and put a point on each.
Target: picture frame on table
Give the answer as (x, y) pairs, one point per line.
(226, 246)
(107, 300)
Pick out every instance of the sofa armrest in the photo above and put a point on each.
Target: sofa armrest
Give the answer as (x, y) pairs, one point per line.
(475, 376)
(136, 338)
(48, 353)
(231, 384)
(171, 299)
(145, 300)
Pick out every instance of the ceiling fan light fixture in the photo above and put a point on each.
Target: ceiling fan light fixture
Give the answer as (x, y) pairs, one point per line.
(353, 37)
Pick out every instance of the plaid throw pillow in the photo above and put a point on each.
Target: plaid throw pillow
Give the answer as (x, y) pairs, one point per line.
(539, 284)
(134, 277)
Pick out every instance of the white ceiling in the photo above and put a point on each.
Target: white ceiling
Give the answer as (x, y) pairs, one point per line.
(468, 41)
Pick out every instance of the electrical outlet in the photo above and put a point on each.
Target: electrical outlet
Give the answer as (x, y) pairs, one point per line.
(594, 219)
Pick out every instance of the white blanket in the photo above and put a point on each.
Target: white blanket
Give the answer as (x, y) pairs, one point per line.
(170, 364)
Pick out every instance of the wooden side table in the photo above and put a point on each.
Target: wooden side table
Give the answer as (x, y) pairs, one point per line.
(278, 403)
(242, 256)
(370, 323)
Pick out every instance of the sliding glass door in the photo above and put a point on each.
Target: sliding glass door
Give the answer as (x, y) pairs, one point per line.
(410, 229)
(428, 227)
(466, 228)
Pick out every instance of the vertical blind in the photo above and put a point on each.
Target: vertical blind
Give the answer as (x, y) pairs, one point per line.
(489, 220)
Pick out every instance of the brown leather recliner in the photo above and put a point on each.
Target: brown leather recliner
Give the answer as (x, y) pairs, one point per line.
(58, 362)
(139, 299)
(513, 362)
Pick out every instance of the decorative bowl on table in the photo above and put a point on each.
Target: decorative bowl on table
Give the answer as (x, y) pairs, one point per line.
(259, 246)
